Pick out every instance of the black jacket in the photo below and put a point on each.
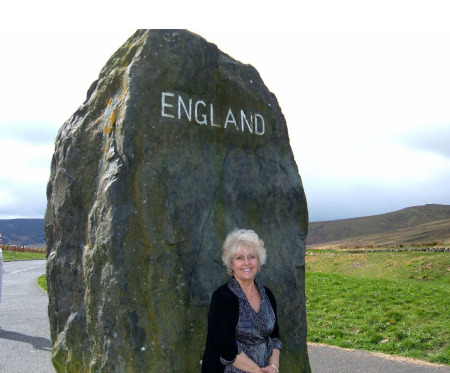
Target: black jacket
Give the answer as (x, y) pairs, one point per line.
(223, 317)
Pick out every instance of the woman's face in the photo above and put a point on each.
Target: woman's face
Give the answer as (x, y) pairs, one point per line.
(245, 264)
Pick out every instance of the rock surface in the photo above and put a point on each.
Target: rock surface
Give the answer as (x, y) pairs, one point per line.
(176, 144)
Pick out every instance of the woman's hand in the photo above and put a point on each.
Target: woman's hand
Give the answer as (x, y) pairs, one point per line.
(270, 369)
(274, 361)
(244, 363)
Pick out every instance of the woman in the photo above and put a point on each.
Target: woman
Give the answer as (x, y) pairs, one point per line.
(243, 333)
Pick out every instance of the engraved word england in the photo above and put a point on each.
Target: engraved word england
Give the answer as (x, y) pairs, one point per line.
(174, 106)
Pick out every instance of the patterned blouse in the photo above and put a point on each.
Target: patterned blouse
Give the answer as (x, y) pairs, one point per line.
(253, 328)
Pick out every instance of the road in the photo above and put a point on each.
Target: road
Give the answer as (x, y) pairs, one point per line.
(330, 359)
(25, 345)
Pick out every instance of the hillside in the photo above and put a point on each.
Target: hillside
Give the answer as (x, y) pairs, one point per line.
(428, 223)
(23, 232)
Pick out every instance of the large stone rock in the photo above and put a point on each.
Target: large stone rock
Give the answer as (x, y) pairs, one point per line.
(176, 144)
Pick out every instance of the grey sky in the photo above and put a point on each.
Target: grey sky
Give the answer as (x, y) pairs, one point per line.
(366, 98)
(433, 139)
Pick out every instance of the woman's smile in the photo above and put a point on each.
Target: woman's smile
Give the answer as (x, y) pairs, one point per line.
(245, 263)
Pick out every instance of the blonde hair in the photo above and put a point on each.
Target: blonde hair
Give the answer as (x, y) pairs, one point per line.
(238, 238)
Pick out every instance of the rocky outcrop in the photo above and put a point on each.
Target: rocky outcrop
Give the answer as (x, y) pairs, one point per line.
(176, 144)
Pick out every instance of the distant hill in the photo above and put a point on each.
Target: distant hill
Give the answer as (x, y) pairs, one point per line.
(419, 224)
(23, 232)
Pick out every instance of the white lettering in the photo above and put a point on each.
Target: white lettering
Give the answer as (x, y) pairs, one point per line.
(244, 118)
(232, 120)
(205, 120)
(164, 104)
(212, 117)
(181, 103)
(256, 125)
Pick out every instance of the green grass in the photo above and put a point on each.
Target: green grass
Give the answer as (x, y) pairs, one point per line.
(395, 303)
(13, 255)
(388, 265)
(42, 282)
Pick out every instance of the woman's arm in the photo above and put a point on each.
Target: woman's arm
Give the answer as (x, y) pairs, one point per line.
(274, 360)
(222, 319)
(244, 363)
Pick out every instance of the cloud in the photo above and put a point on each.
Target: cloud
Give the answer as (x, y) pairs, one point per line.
(28, 132)
(24, 175)
(431, 139)
(341, 200)
(47, 72)
(19, 200)
(372, 177)
(359, 104)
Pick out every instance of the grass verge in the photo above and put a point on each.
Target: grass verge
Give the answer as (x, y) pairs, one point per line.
(13, 255)
(42, 282)
(404, 314)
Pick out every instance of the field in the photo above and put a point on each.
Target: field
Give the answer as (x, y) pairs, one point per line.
(17, 255)
(390, 302)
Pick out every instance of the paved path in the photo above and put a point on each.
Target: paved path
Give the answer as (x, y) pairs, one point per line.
(25, 345)
(330, 359)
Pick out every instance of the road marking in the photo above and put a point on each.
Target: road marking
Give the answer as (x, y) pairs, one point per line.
(27, 269)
